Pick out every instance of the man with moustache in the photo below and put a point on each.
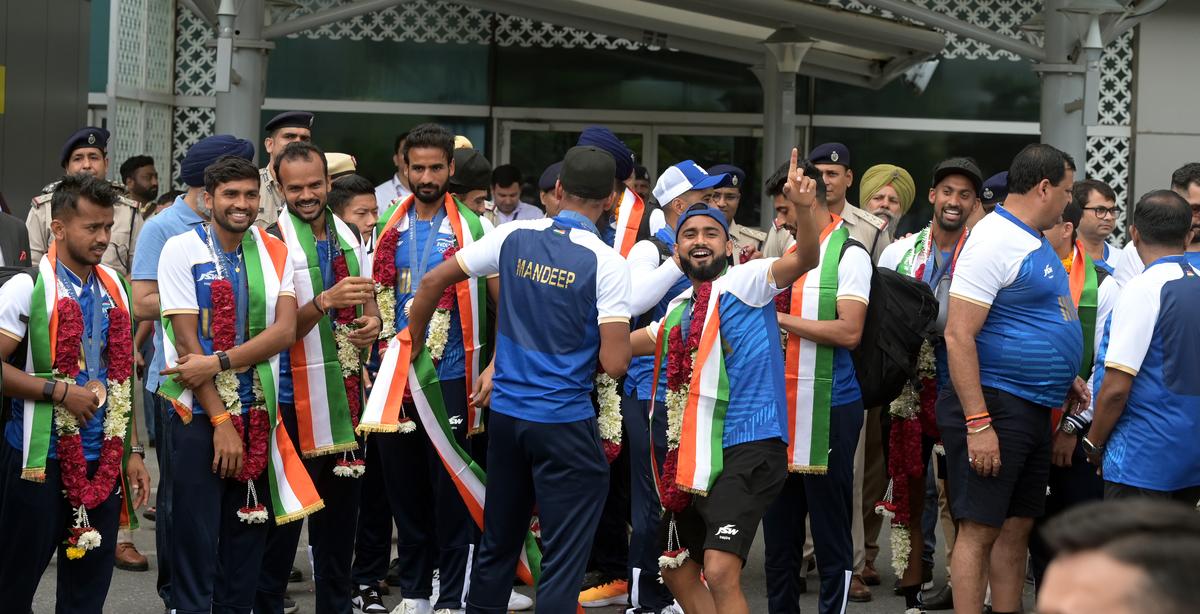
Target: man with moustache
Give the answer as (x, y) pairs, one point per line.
(86, 152)
(747, 242)
(887, 192)
(712, 533)
(320, 395)
(833, 160)
(287, 127)
(220, 280)
(186, 213)
(1014, 347)
(141, 182)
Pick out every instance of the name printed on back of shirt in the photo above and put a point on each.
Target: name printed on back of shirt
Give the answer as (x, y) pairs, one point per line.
(545, 274)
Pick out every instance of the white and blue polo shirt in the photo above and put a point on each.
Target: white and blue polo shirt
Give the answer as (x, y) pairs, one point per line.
(1154, 335)
(1031, 344)
(560, 283)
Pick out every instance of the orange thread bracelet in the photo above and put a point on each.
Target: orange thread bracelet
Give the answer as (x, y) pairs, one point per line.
(977, 416)
(219, 419)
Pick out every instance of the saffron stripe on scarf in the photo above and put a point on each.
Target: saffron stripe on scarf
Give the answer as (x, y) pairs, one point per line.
(629, 221)
(701, 455)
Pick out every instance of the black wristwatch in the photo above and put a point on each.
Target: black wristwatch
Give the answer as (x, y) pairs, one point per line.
(1090, 448)
(223, 358)
(139, 450)
(1069, 426)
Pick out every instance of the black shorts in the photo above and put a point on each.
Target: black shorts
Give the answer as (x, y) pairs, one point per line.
(1024, 431)
(727, 519)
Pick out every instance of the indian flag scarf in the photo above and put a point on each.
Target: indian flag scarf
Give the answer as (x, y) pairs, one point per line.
(382, 413)
(37, 422)
(469, 479)
(701, 454)
(322, 410)
(1084, 285)
(808, 366)
(293, 495)
(915, 261)
(629, 219)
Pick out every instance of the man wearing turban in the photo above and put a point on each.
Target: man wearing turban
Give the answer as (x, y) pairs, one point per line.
(887, 192)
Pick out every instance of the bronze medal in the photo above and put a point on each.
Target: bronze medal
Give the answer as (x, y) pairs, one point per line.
(98, 389)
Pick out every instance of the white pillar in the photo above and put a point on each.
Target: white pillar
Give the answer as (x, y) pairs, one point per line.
(238, 108)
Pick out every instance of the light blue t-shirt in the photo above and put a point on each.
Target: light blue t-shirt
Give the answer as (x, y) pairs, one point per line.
(174, 220)
(1031, 344)
(1154, 335)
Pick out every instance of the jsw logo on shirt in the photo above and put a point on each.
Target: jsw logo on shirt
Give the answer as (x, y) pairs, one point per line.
(456, 420)
(209, 276)
(1048, 272)
(727, 531)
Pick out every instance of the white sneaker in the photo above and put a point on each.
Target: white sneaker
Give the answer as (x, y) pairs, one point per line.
(519, 602)
(414, 606)
(435, 587)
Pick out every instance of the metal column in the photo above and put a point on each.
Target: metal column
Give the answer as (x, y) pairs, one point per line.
(784, 52)
(1063, 88)
(239, 105)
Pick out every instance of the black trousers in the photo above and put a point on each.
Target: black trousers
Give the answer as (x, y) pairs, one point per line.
(373, 539)
(163, 519)
(215, 558)
(1068, 487)
(330, 538)
(434, 528)
(645, 589)
(565, 465)
(610, 548)
(827, 501)
(34, 520)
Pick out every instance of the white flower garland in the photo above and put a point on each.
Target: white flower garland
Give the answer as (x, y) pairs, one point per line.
(385, 299)
(438, 333)
(610, 408)
(348, 355)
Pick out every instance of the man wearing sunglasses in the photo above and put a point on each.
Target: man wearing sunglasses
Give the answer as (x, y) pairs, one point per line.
(1099, 204)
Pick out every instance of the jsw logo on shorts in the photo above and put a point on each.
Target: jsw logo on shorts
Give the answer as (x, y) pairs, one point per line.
(455, 420)
(727, 531)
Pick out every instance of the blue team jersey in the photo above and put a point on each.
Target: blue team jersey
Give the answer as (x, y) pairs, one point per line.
(17, 294)
(1154, 335)
(560, 282)
(418, 253)
(1031, 344)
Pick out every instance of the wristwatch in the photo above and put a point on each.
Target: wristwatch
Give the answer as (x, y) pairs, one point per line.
(138, 449)
(1090, 448)
(1068, 427)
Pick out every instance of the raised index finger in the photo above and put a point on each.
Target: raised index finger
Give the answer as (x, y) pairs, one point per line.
(793, 164)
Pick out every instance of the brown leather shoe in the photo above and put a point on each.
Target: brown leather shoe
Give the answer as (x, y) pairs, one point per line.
(129, 559)
(869, 575)
(859, 592)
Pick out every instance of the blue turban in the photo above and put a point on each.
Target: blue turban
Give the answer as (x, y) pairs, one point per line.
(209, 150)
(602, 138)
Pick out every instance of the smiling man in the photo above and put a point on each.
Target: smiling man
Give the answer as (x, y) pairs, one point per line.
(287, 127)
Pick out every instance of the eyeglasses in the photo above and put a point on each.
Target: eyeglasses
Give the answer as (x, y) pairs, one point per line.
(1102, 211)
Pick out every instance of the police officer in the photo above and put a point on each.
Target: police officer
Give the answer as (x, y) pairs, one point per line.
(282, 129)
(86, 152)
(833, 160)
(747, 242)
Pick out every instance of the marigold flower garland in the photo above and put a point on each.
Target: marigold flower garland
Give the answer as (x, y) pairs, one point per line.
(224, 332)
(84, 494)
(913, 413)
(681, 357)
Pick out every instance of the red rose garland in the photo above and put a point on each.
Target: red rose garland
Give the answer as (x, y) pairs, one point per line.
(70, 336)
(344, 317)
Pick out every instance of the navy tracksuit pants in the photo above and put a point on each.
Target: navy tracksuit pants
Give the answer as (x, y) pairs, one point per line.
(565, 465)
(646, 592)
(373, 538)
(36, 518)
(827, 501)
(214, 539)
(330, 538)
(434, 527)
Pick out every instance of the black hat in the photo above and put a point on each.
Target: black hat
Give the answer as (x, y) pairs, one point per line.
(734, 176)
(549, 177)
(588, 172)
(90, 136)
(995, 189)
(830, 153)
(472, 171)
(290, 119)
(640, 173)
(959, 166)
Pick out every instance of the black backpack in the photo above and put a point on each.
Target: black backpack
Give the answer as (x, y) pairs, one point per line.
(900, 316)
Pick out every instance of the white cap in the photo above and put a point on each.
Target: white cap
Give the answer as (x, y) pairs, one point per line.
(683, 177)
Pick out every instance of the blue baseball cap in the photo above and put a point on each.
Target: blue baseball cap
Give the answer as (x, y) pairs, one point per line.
(703, 209)
(684, 177)
(995, 189)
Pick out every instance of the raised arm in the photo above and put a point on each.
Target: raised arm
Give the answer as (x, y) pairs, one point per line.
(801, 192)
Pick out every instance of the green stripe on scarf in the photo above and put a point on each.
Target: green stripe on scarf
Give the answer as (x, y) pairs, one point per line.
(43, 367)
(1088, 300)
(823, 368)
(339, 409)
(471, 220)
(258, 323)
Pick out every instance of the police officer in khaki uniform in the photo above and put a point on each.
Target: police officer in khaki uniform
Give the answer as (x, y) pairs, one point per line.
(833, 160)
(747, 242)
(282, 129)
(86, 152)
